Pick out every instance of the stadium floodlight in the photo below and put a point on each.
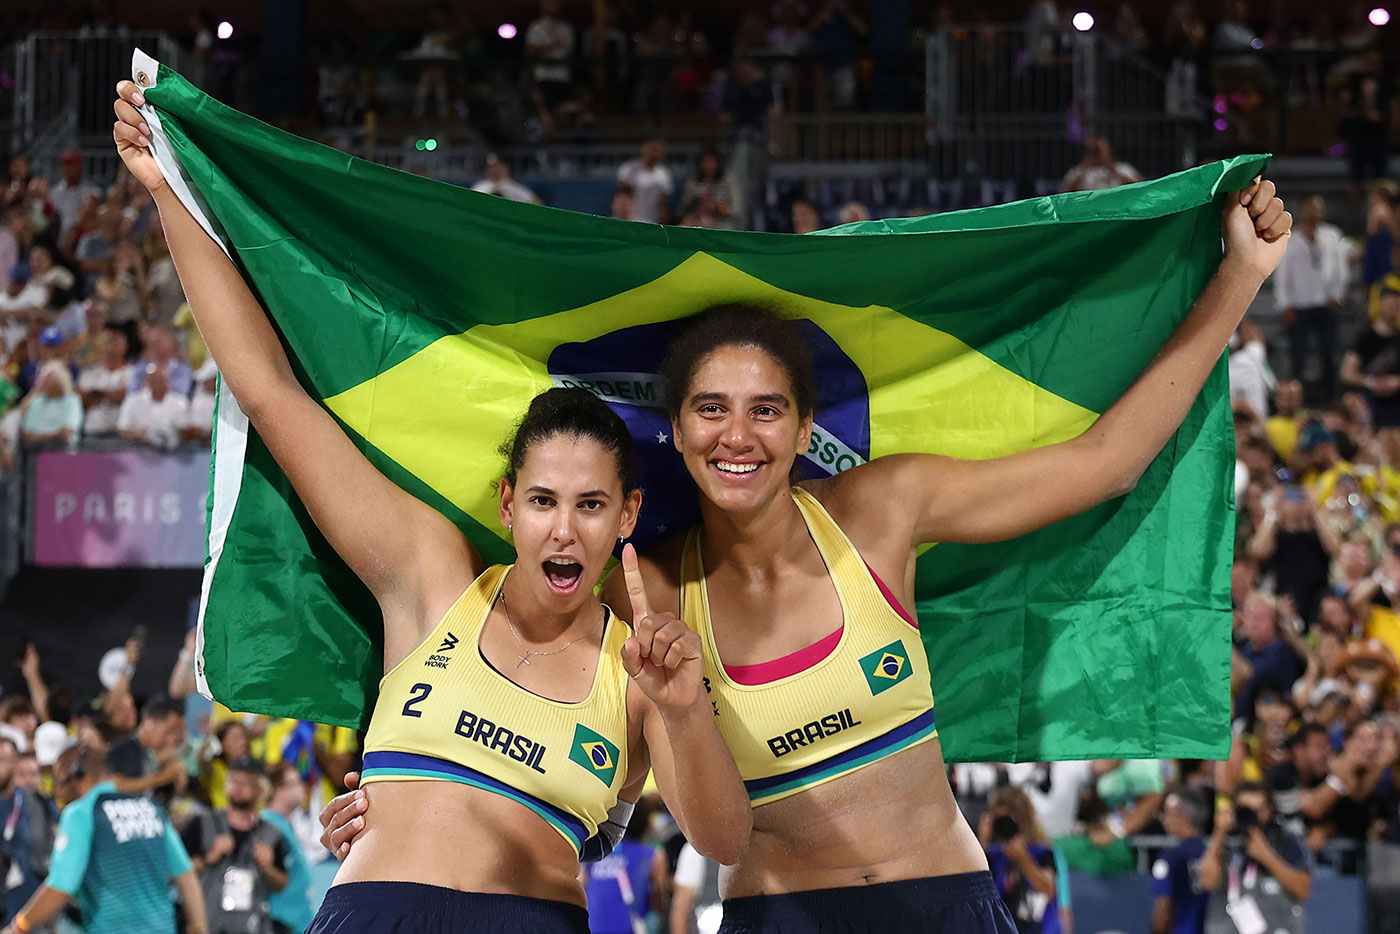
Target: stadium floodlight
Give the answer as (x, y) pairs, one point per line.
(1221, 124)
(430, 144)
(225, 30)
(506, 31)
(1379, 16)
(1083, 21)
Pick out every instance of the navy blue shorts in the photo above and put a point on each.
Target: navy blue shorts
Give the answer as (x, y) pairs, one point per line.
(961, 904)
(412, 908)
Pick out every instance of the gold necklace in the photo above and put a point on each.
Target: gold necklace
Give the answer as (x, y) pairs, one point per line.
(529, 652)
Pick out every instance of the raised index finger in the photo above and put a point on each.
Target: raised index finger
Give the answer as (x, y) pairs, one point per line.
(636, 592)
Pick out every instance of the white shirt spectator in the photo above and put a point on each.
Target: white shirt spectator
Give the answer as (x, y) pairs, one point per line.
(509, 189)
(101, 417)
(650, 188)
(1055, 806)
(1313, 271)
(16, 310)
(159, 422)
(201, 411)
(1097, 177)
(1251, 379)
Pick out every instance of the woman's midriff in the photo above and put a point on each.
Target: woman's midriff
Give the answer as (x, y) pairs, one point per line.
(896, 819)
(459, 837)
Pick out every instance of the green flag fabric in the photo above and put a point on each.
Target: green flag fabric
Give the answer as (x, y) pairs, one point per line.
(425, 317)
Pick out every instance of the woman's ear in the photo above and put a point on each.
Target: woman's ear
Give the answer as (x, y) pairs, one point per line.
(631, 510)
(507, 504)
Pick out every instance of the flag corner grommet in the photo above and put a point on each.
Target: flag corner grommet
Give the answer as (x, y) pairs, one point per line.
(143, 79)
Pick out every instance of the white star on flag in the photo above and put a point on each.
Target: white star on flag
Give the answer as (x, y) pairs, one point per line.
(661, 437)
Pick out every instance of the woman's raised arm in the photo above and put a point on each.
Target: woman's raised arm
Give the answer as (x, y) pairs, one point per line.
(397, 545)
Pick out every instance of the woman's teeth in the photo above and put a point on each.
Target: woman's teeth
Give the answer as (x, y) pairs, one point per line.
(729, 467)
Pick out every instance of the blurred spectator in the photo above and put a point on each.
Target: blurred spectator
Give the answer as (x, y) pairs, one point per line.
(1250, 376)
(852, 212)
(651, 184)
(231, 743)
(710, 193)
(68, 194)
(499, 183)
(1021, 861)
(1179, 904)
(787, 38)
(1055, 789)
(1309, 286)
(432, 55)
(12, 237)
(162, 350)
(1382, 232)
(622, 204)
(22, 304)
(835, 33)
(804, 216)
(1098, 169)
(199, 419)
(1282, 427)
(104, 385)
(1257, 869)
(621, 888)
(53, 413)
(121, 285)
(27, 823)
(1373, 362)
(1295, 783)
(1099, 848)
(149, 761)
(58, 281)
(1273, 662)
(291, 907)
(241, 857)
(96, 248)
(1365, 129)
(164, 293)
(115, 856)
(153, 414)
(1295, 548)
(695, 899)
(549, 47)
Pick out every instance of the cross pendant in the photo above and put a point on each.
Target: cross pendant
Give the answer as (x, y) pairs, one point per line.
(524, 659)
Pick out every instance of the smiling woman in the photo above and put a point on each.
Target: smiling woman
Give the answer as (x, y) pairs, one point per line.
(798, 591)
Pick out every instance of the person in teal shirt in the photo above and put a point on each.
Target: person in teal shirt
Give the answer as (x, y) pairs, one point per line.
(115, 856)
(53, 413)
(291, 907)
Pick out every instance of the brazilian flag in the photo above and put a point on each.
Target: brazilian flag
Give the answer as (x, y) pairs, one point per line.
(425, 317)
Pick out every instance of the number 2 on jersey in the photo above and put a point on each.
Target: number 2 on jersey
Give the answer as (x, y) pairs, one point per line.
(418, 694)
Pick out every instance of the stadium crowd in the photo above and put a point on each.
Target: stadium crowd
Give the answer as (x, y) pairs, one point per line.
(97, 347)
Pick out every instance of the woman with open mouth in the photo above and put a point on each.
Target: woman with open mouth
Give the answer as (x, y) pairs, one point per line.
(517, 716)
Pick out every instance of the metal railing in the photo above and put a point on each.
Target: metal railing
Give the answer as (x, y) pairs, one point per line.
(58, 72)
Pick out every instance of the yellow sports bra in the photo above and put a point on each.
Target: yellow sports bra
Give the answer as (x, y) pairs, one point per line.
(853, 698)
(444, 714)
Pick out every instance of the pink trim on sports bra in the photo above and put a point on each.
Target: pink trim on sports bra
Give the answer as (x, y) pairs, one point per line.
(788, 665)
(891, 599)
(804, 658)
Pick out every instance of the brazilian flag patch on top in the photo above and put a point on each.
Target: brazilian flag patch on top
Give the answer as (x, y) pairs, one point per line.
(597, 756)
(885, 667)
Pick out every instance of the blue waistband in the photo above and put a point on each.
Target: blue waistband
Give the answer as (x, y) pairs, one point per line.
(388, 765)
(412, 906)
(892, 906)
(885, 744)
